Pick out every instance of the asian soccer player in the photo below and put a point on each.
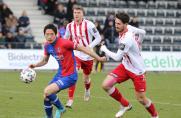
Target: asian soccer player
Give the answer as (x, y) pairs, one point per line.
(62, 51)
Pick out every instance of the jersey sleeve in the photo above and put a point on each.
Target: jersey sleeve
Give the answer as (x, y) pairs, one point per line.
(92, 28)
(46, 50)
(67, 32)
(95, 33)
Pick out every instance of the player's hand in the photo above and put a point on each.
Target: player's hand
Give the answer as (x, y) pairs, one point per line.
(103, 59)
(90, 48)
(103, 47)
(32, 66)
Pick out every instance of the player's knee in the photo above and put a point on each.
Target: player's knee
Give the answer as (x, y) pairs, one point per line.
(105, 87)
(46, 93)
(141, 99)
(86, 76)
(141, 102)
(86, 80)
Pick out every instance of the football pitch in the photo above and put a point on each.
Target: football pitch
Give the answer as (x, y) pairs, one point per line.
(20, 100)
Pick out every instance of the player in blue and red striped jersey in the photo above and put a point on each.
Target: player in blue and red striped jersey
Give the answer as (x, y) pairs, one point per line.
(62, 51)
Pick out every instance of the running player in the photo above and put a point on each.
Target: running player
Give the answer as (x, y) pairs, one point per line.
(132, 67)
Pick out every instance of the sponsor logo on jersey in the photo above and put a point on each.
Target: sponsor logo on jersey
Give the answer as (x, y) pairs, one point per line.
(94, 30)
(121, 46)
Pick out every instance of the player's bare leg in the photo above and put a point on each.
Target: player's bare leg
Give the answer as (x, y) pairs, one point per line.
(50, 89)
(108, 86)
(87, 83)
(141, 97)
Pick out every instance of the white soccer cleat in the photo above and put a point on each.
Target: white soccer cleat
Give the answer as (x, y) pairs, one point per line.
(87, 95)
(69, 103)
(121, 112)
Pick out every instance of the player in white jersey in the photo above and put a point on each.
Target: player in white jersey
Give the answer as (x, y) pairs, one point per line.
(131, 67)
(82, 31)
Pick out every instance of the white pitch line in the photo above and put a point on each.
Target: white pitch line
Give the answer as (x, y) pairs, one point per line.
(157, 102)
(97, 97)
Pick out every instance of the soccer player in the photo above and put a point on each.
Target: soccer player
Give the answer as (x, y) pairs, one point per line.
(82, 31)
(132, 67)
(62, 51)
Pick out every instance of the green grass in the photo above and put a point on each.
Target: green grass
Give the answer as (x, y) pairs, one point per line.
(20, 100)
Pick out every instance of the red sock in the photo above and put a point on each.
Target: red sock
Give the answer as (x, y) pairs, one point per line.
(151, 109)
(87, 85)
(117, 96)
(71, 92)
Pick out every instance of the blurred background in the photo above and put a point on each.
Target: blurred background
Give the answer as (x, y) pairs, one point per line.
(22, 22)
(21, 43)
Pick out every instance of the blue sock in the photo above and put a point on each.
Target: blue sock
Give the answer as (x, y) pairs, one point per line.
(48, 108)
(54, 100)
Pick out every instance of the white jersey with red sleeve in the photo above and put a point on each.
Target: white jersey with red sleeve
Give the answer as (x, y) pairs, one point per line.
(132, 59)
(83, 34)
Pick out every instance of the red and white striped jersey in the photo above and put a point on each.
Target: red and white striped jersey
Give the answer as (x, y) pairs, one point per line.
(83, 34)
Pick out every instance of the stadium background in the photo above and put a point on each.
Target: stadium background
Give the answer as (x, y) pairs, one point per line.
(161, 51)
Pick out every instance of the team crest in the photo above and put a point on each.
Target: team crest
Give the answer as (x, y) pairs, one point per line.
(58, 50)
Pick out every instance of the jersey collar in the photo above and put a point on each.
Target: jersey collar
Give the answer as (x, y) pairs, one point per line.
(53, 43)
(122, 33)
(79, 23)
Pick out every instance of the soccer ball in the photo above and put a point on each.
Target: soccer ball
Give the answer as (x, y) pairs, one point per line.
(27, 75)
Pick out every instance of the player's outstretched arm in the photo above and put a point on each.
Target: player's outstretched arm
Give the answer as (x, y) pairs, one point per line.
(90, 52)
(41, 63)
(116, 56)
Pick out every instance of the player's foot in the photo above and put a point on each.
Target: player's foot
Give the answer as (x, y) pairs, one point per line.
(59, 112)
(87, 95)
(154, 117)
(120, 113)
(69, 103)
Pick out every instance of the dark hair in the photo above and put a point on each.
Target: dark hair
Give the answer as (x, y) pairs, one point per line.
(52, 27)
(78, 7)
(123, 17)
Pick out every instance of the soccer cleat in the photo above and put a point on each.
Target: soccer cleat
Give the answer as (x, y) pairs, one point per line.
(87, 95)
(121, 112)
(59, 112)
(69, 103)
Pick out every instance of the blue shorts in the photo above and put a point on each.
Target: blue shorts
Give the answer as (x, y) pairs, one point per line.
(64, 82)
